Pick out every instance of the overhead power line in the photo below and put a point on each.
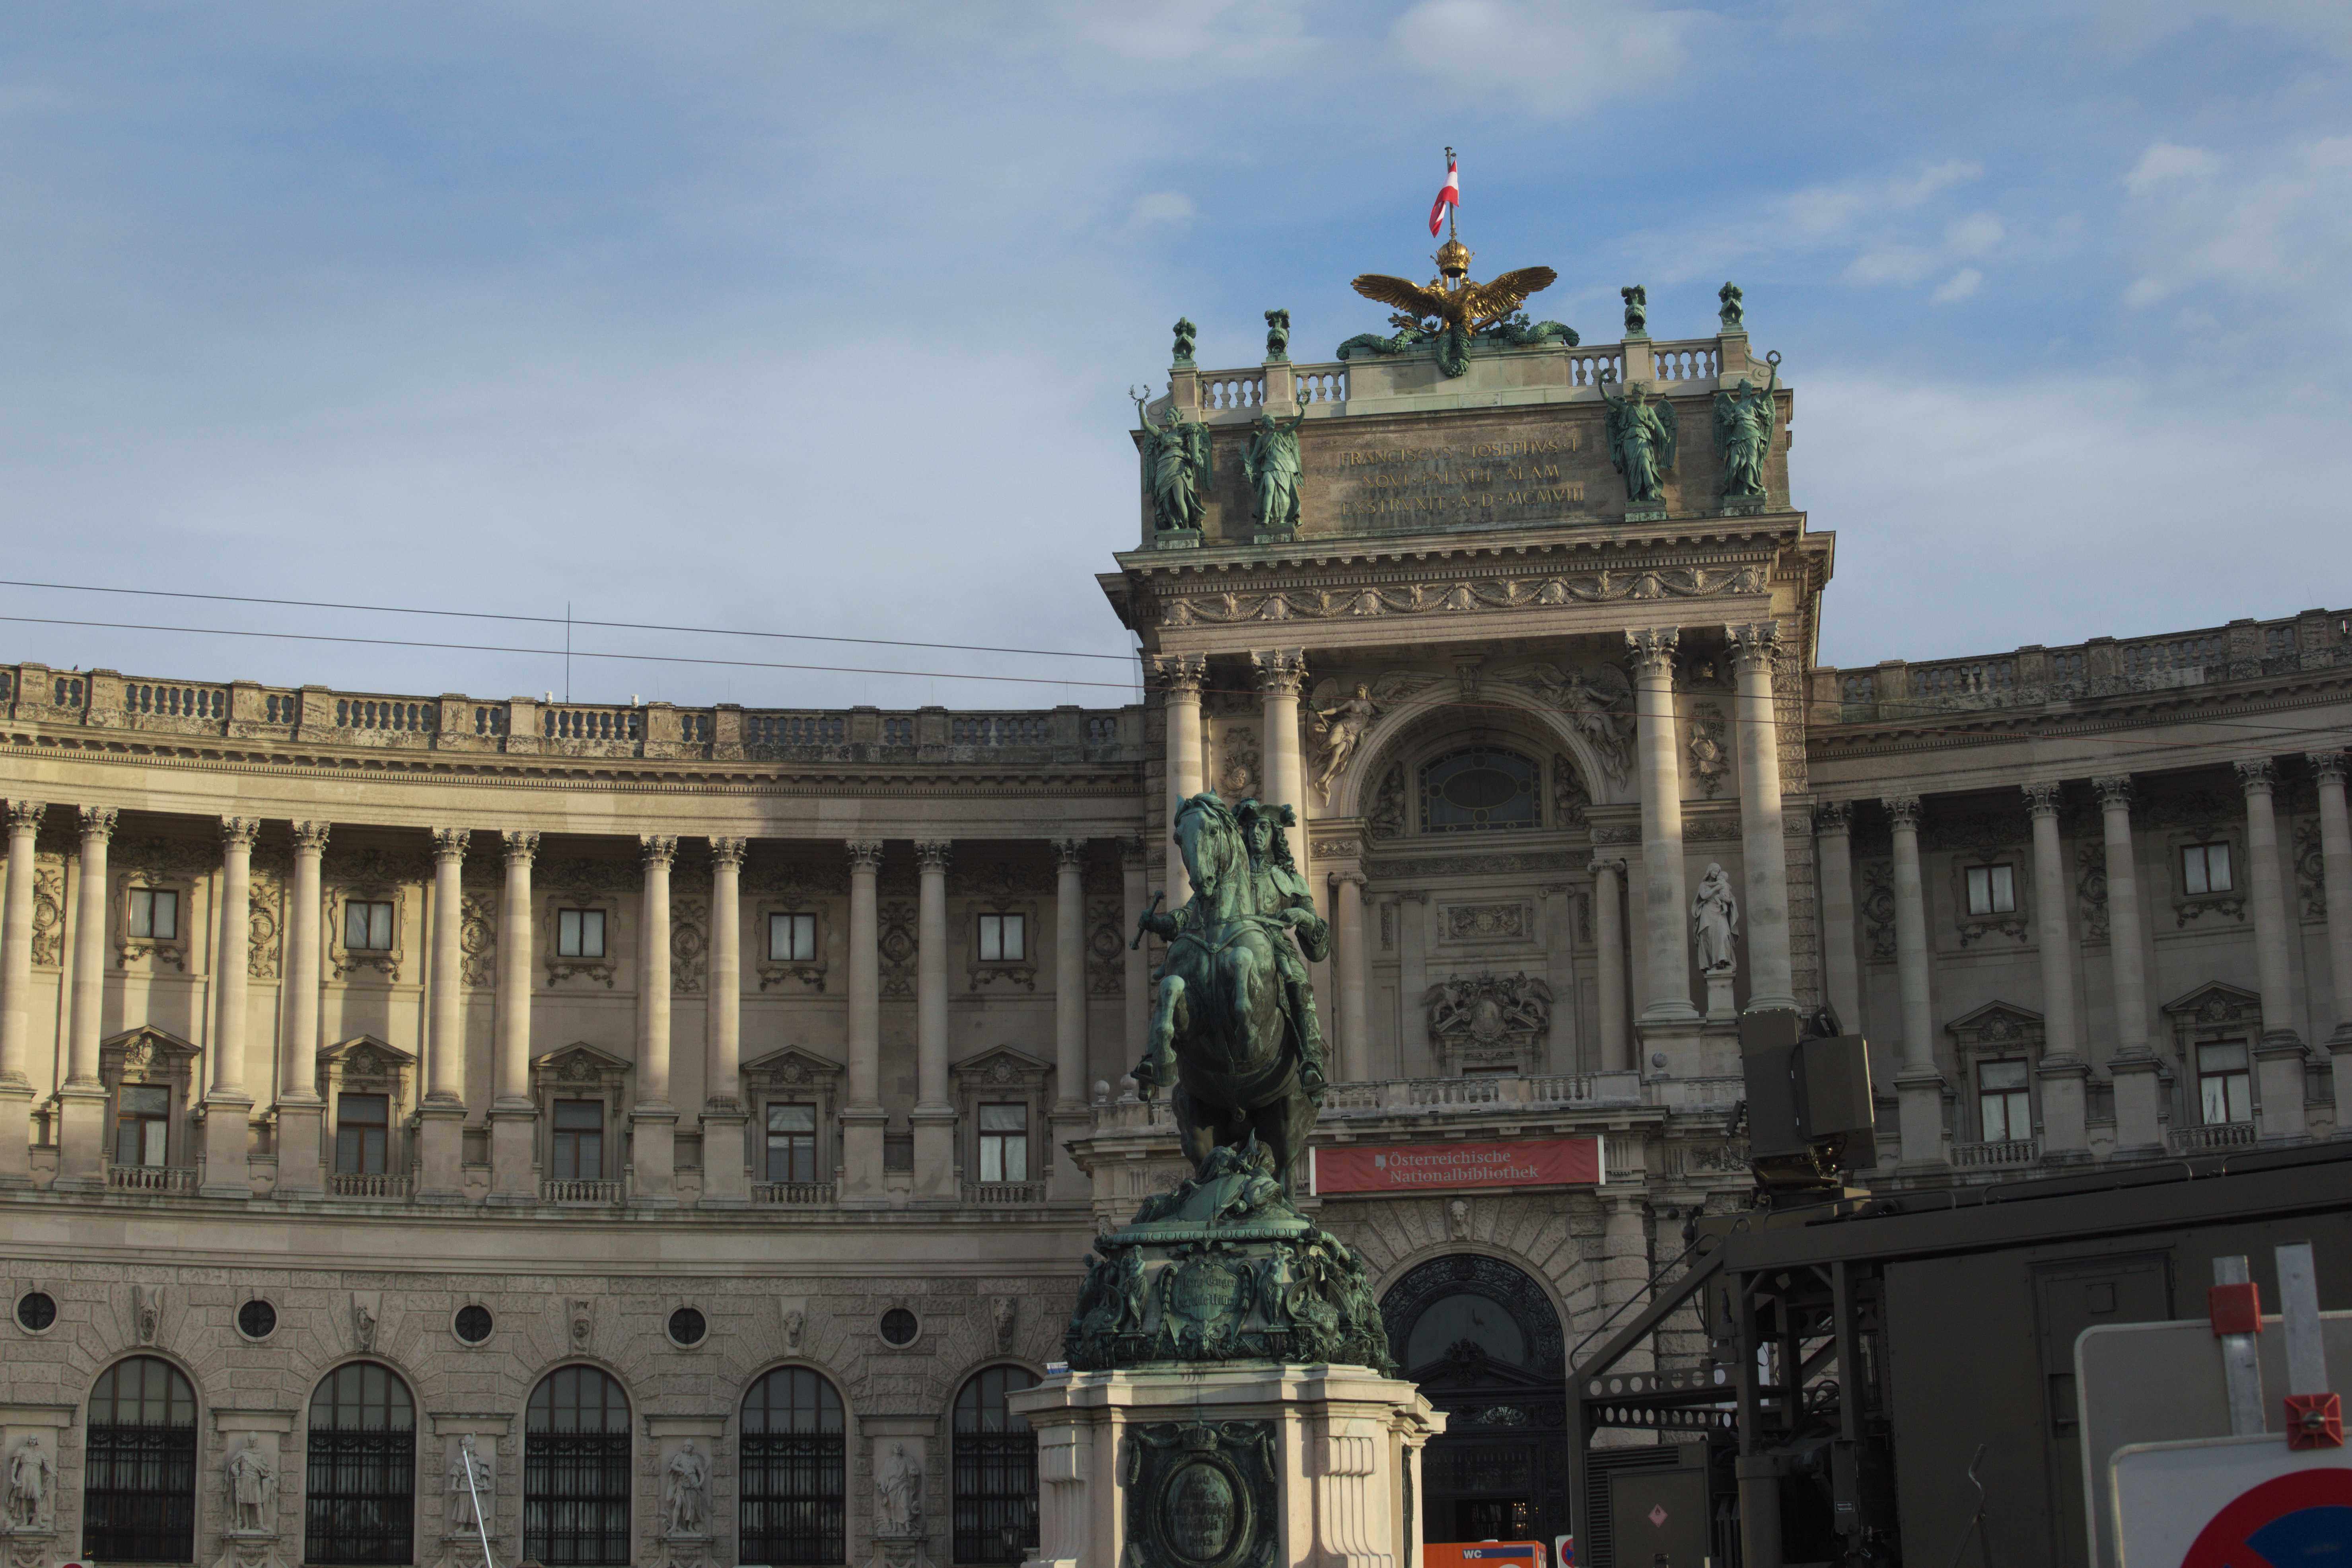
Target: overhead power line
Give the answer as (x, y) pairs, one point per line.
(561, 620)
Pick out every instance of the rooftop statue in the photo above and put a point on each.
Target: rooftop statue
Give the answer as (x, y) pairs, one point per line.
(1187, 336)
(1270, 462)
(1732, 314)
(1744, 418)
(1450, 311)
(1277, 335)
(1175, 467)
(1640, 430)
(1637, 310)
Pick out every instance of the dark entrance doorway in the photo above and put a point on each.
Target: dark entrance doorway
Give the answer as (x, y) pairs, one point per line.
(1481, 1338)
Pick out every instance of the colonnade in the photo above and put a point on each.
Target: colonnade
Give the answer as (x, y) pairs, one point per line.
(2134, 1065)
(227, 1104)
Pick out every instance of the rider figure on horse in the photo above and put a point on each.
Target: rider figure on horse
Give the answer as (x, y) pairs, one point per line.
(1284, 903)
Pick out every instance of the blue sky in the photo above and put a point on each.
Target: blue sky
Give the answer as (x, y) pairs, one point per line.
(821, 319)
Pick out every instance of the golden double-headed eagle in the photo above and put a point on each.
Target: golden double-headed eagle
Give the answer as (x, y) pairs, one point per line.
(1450, 308)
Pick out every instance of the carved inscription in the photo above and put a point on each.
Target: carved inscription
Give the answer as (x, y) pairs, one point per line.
(1471, 481)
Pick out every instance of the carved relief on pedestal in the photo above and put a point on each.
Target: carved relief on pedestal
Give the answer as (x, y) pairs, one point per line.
(1488, 1020)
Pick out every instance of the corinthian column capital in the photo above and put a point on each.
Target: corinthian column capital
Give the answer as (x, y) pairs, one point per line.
(521, 848)
(239, 832)
(1178, 673)
(933, 855)
(865, 854)
(1280, 671)
(311, 837)
(1650, 649)
(728, 852)
(28, 814)
(2114, 791)
(2040, 799)
(1754, 646)
(1834, 816)
(2325, 765)
(98, 822)
(657, 848)
(2255, 775)
(1069, 851)
(1903, 809)
(449, 843)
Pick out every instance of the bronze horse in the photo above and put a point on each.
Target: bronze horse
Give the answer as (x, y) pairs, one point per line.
(1221, 1043)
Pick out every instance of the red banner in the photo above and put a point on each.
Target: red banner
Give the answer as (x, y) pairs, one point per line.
(1446, 1167)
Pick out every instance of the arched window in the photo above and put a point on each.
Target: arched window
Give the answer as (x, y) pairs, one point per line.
(138, 1475)
(575, 1470)
(995, 1470)
(1479, 789)
(359, 1491)
(789, 1465)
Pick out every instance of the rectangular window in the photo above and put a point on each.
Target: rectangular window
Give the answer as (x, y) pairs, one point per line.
(1992, 890)
(579, 933)
(2225, 1091)
(142, 1124)
(2004, 1107)
(579, 1140)
(362, 1133)
(1004, 1139)
(791, 1142)
(367, 925)
(2205, 869)
(1004, 939)
(155, 914)
(792, 939)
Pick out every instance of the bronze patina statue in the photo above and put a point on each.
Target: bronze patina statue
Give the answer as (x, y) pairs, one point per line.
(1640, 429)
(1175, 467)
(1450, 311)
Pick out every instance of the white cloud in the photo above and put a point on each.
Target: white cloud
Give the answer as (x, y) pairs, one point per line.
(1974, 235)
(1891, 264)
(1237, 37)
(1161, 209)
(2101, 508)
(2164, 163)
(1937, 177)
(1556, 59)
(1960, 285)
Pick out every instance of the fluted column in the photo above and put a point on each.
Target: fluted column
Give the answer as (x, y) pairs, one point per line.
(1841, 969)
(1609, 940)
(514, 1116)
(300, 1153)
(1755, 651)
(2063, 1071)
(1069, 1115)
(1280, 673)
(653, 1120)
(2134, 1067)
(2278, 1057)
(17, 997)
(1355, 1054)
(1135, 978)
(2335, 851)
(82, 1098)
(1179, 677)
(863, 1118)
(441, 1116)
(1665, 895)
(726, 1174)
(933, 1118)
(228, 1107)
(1919, 1087)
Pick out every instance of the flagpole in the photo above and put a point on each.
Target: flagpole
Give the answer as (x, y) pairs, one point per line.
(1455, 205)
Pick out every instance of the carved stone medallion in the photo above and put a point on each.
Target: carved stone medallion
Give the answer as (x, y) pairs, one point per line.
(1202, 1495)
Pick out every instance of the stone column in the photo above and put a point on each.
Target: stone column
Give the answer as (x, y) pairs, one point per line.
(1755, 651)
(441, 1115)
(1919, 1086)
(933, 1118)
(2063, 1071)
(82, 1098)
(863, 1118)
(653, 1120)
(2335, 851)
(1353, 1060)
(2278, 1056)
(1179, 677)
(1624, 1268)
(726, 1172)
(2133, 1066)
(1069, 1115)
(1609, 940)
(300, 1153)
(514, 1115)
(1416, 1053)
(228, 1107)
(1280, 673)
(1841, 971)
(1665, 896)
(1135, 978)
(16, 997)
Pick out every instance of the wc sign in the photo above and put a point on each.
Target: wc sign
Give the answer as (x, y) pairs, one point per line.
(1455, 1166)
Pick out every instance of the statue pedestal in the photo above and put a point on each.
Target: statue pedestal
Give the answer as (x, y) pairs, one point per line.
(685, 1549)
(28, 1546)
(1719, 1003)
(1177, 539)
(1253, 1464)
(899, 1552)
(250, 1549)
(462, 1549)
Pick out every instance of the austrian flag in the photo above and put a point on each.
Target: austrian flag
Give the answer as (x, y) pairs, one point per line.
(1448, 196)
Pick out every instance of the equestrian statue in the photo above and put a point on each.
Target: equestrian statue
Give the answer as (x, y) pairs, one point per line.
(1234, 1036)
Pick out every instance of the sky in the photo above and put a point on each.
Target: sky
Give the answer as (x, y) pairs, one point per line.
(821, 319)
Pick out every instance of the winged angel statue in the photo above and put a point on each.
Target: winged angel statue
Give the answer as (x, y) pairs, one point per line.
(1452, 311)
(1640, 438)
(1175, 467)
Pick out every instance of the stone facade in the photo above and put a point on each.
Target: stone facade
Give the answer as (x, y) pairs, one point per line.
(378, 1008)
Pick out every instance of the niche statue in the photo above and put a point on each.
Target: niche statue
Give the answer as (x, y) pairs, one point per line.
(1175, 467)
(1640, 430)
(1270, 462)
(1743, 432)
